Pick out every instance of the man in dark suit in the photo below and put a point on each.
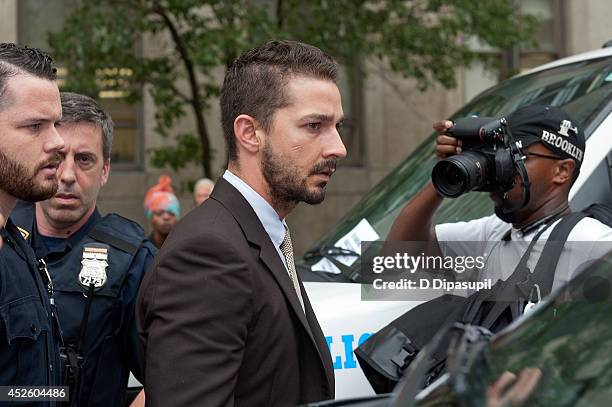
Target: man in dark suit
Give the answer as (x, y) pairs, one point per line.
(223, 317)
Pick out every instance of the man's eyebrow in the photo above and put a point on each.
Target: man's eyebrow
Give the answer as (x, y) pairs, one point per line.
(321, 117)
(31, 119)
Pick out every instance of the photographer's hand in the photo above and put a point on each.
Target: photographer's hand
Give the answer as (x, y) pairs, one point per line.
(446, 145)
(508, 390)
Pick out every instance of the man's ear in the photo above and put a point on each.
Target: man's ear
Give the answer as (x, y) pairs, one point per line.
(105, 172)
(564, 171)
(245, 131)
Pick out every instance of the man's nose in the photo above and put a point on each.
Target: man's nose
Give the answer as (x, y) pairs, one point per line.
(335, 147)
(54, 142)
(67, 170)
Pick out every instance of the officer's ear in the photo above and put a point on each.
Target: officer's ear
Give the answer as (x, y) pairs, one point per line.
(564, 171)
(105, 172)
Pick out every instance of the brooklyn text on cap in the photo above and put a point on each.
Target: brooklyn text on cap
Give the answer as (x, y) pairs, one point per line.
(551, 126)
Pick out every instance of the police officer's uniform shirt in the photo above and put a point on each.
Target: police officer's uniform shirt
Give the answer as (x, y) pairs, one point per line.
(29, 336)
(111, 344)
(54, 248)
(488, 236)
(53, 244)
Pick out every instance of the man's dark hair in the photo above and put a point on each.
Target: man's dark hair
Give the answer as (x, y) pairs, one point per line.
(255, 82)
(16, 60)
(79, 108)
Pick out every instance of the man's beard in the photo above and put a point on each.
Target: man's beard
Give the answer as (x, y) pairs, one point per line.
(511, 208)
(16, 180)
(508, 217)
(286, 186)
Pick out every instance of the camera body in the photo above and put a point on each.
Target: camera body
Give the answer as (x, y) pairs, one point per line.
(487, 162)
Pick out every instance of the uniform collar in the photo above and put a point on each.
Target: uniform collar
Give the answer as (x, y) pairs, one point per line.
(3, 232)
(70, 242)
(10, 230)
(13, 237)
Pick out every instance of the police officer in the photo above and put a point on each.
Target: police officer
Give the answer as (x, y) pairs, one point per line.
(29, 159)
(95, 262)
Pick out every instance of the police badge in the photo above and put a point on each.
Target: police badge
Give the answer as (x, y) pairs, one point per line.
(94, 263)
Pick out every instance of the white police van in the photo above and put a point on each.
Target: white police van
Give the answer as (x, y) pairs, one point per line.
(580, 84)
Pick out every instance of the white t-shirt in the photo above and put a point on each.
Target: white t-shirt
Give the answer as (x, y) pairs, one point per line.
(588, 240)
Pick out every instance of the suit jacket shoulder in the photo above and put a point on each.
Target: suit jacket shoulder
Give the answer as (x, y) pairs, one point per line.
(219, 321)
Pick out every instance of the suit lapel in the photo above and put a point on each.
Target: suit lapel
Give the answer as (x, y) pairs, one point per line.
(307, 317)
(269, 256)
(255, 233)
(319, 338)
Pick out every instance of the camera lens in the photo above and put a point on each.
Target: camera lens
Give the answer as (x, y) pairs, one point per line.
(450, 178)
(459, 174)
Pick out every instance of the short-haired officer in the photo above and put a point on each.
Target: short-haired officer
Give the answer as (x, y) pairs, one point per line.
(96, 263)
(30, 110)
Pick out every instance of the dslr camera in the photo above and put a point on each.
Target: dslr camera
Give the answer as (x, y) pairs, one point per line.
(489, 161)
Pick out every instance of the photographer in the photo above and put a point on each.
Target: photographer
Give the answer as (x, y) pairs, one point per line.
(527, 162)
(529, 206)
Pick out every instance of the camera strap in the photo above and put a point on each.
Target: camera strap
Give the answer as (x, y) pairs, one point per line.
(519, 161)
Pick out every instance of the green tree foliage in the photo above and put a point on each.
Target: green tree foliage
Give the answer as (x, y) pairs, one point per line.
(100, 44)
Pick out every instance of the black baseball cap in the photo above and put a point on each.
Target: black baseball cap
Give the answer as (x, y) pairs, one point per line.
(552, 127)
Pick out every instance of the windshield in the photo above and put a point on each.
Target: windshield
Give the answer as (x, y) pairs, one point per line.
(582, 89)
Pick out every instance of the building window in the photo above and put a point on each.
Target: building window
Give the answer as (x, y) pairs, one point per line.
(126, 148)
(36, 19)
(549, 43)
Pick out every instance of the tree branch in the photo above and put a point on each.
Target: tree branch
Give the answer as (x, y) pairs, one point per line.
(181, 95)
(196, 101)
(279, 15)
(227, 22)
